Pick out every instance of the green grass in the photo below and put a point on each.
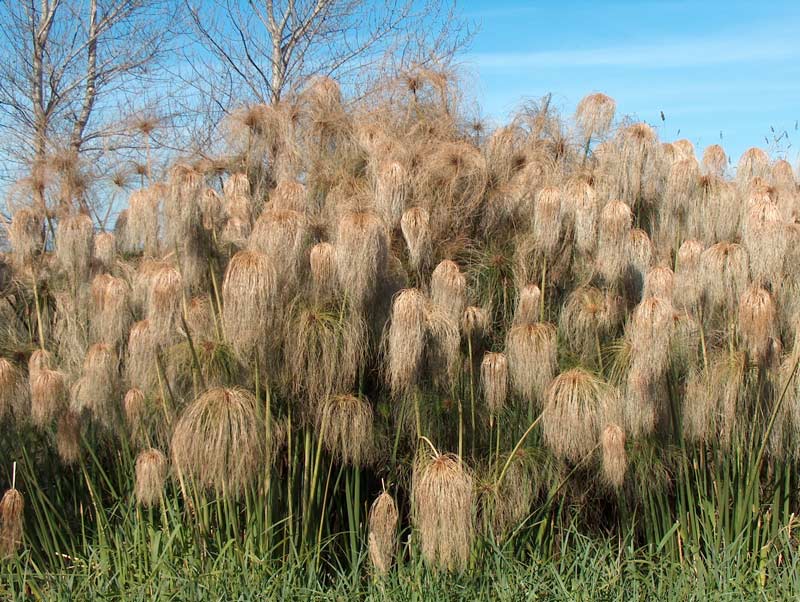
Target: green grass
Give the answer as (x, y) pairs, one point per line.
(159, 564)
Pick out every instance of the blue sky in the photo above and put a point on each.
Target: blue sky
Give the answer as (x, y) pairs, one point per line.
(713, 67)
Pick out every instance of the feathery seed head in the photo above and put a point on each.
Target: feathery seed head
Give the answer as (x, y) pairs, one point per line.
(714, 160)
(13, 391)
(527, 311)
(615, 460)
(577, 406)
(659, 282)
(218, 442)
(75, 243)
(442, 499)
(757, 322)
(111, 317)
(688, 289)
(105, 249)
(49, 396)
(164, 298)
(151, 474)
(612, 240)
(347, 422)
(415, 225)
(382, 540)
(26, 234)
(494, 378)
(725, 271)
(475, 323)
(11, 517)
(361, 254)
(391, 192)
(249, 293)
(594, 115)
(406, 339)
(68, 437)
(449, 289)
(531, 351)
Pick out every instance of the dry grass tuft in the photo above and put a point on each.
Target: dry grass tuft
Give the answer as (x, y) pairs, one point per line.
(74, 245)
(249, 294)
(615, 459)
(345, 422)
(406, 340)
(49, 396)
(612, 241)
(577, 407)
(594, 115)
(151, 474)
(218, 442)
(494, 378)
(531, 350)
(442, 500)
(382, 539)
(361, 254)
(449, 289)
(111, 316)
(757, 322)
(11, 518)
(26, 235)
(14, 400)
(415, 225)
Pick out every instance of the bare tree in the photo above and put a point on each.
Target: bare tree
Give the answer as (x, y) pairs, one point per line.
(71, 72)
(267, 47)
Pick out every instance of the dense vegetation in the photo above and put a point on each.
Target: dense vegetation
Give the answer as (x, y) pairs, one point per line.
(372, 349)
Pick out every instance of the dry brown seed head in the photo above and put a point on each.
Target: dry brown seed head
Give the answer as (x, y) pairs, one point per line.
(531, 350)
(249, 293)
(391, 192)
(415, 225)
(475, 323)
(105, 249)
(442, 500)
(494, 378)
(594, 115)
(237, 185)
(449, 289)
(659, 282)
(26, 234)
(49, 396)
(361, 254)
(757, 322)
(151, 474)
(74, 244)
(725, 270)
(715, 160)
(382, 541)
(142, 220)
(406, 340)
(218, 442)
(134, 408)
(68, 437)
(577, 406)
(754, 162)
(612, 241)
(528, 305)
(111, 315)
(347, 423)
(688, 276)
(615, 459)
(11, 519)
(14, 398)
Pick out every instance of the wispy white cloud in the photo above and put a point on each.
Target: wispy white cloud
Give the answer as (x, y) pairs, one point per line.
(731, 48)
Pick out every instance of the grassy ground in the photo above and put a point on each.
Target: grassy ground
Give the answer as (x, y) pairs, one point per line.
(157, 566)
